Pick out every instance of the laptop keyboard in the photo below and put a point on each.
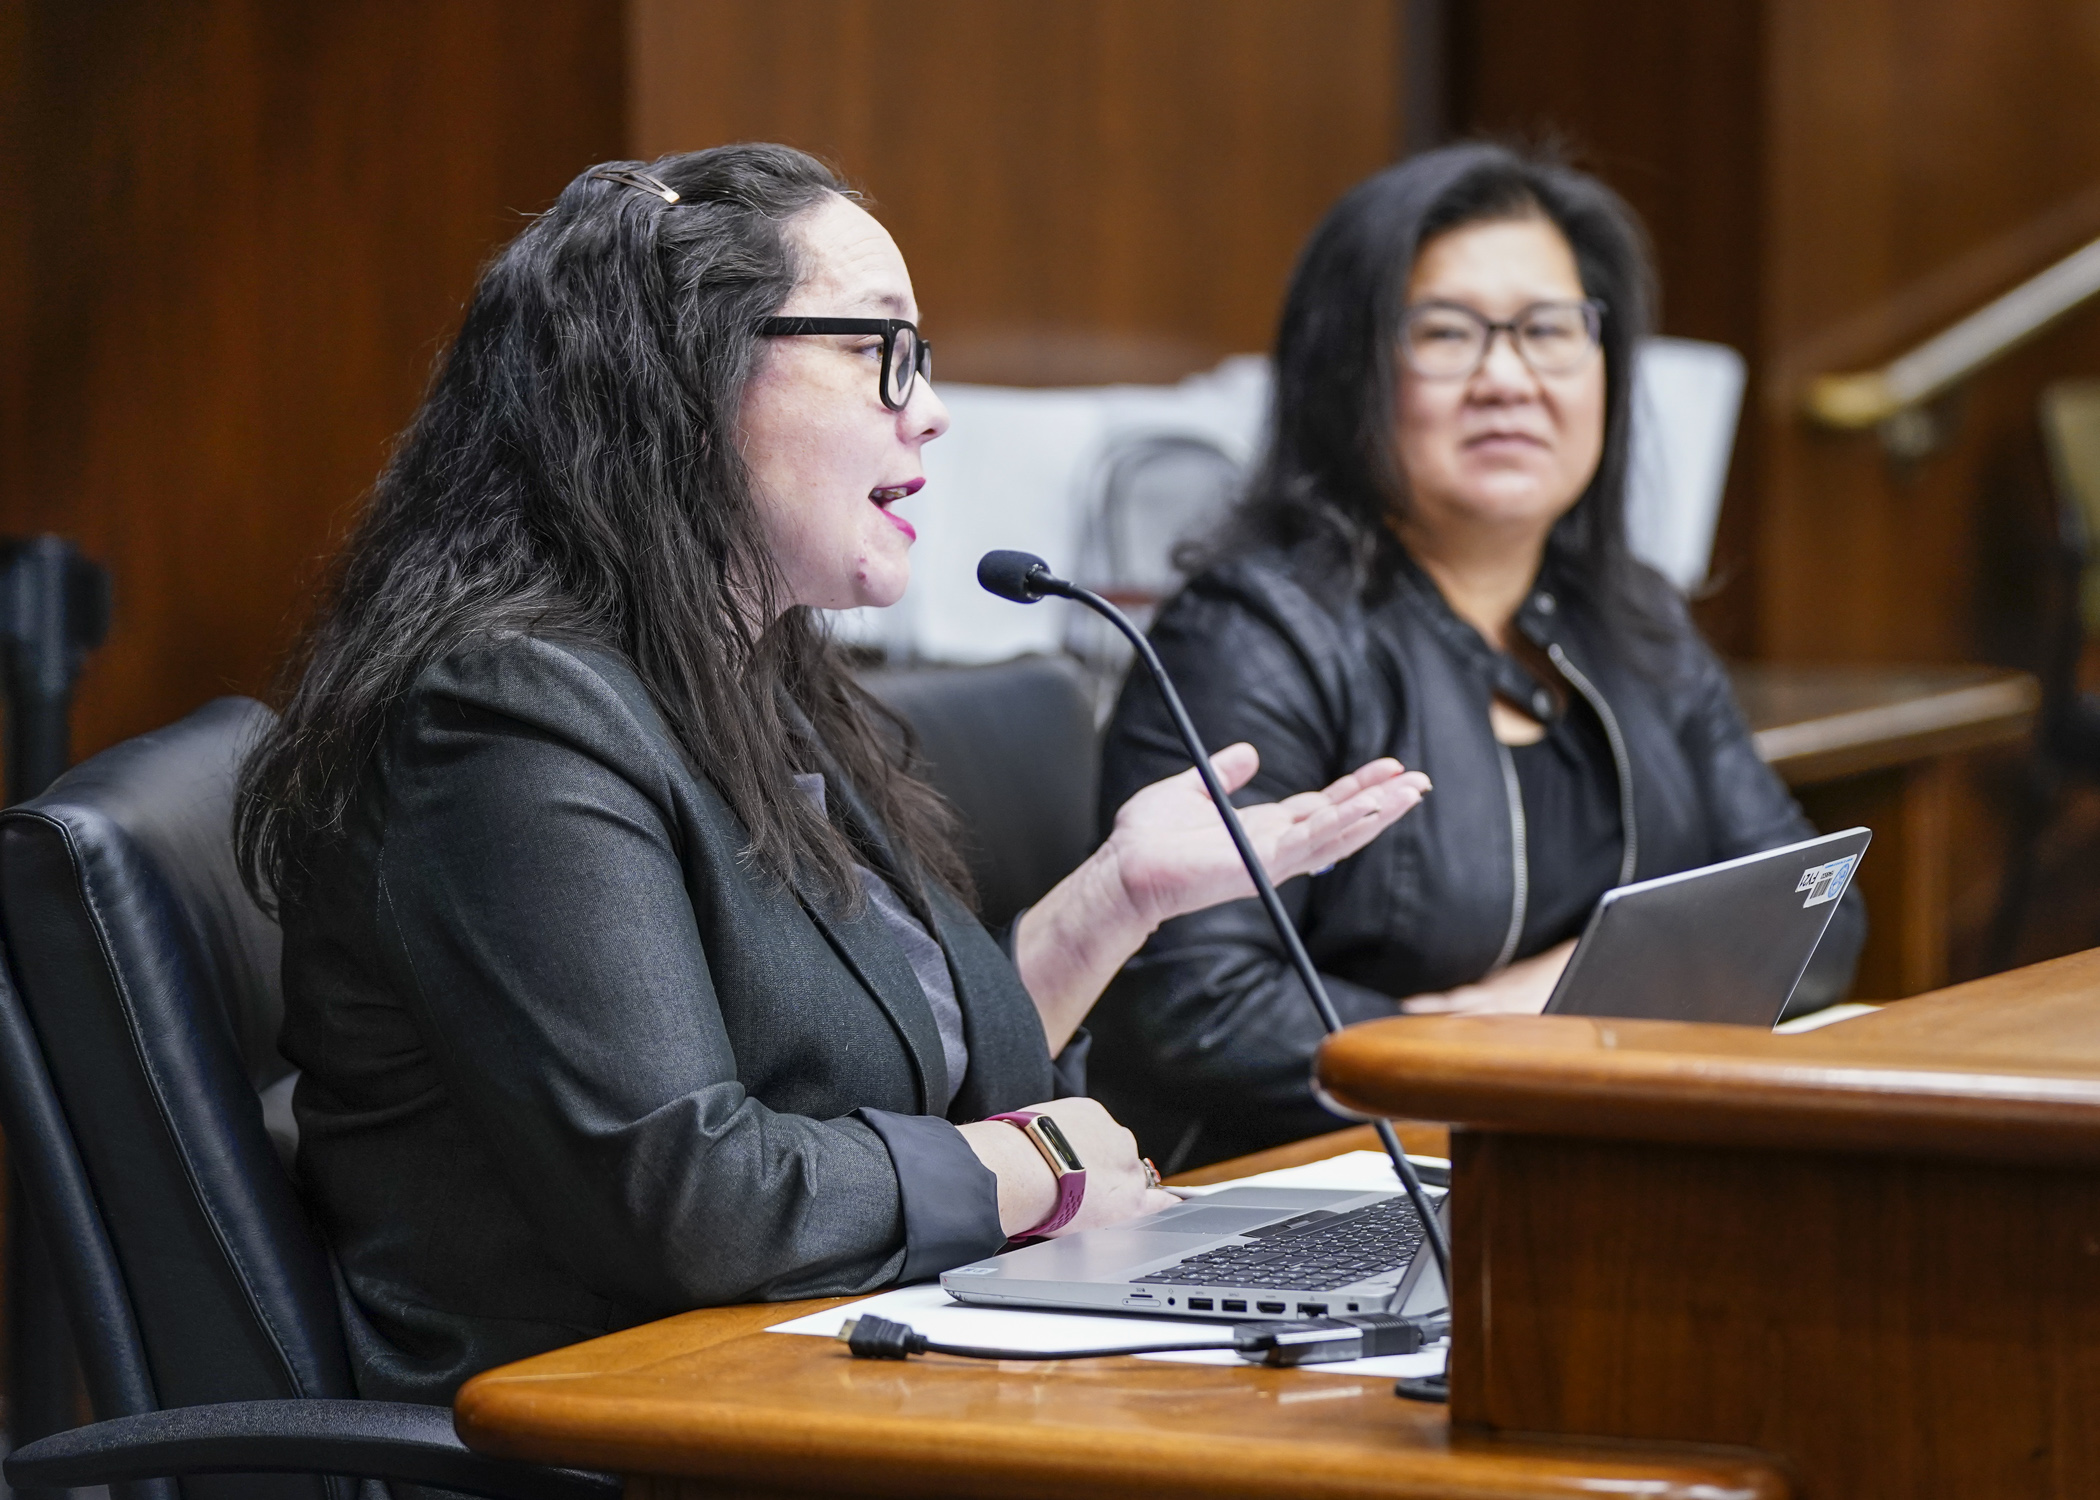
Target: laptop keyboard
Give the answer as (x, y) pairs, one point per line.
(1336, 1251)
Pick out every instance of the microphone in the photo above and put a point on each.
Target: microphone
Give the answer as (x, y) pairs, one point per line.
(1025, 579)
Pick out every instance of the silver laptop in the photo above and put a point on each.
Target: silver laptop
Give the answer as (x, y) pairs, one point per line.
(1725, 943)
(1240, 1255)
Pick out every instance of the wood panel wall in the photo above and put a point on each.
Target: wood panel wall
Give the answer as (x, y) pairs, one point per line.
(1664, 102)
(1087, 190)
(237, 234)
(1827, 185)
(1922, 157)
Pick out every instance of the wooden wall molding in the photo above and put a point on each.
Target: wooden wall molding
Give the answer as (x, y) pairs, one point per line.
(1934, 300)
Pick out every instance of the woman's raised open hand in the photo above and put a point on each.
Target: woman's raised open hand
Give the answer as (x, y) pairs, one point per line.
(1169, 853)
(1172, 853)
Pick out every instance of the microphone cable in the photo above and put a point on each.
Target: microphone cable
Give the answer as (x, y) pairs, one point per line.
(1025, 579)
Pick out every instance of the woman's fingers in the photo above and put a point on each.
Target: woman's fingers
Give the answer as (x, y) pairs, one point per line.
(1521, 989)
(1235, 765)
(1365, 781)
(1172, 854)
(1466, 1000)
(1376, 789)
(1314, 829)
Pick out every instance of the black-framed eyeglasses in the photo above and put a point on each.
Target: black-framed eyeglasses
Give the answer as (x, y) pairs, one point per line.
(905, 356)
(1449, 341)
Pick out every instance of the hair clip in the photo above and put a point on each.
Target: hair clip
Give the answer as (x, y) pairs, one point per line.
(640, 180)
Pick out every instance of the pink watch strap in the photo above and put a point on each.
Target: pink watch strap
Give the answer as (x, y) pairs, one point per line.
(1071, 1186)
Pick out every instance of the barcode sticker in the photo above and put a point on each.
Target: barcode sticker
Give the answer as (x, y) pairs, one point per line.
(1826, 882)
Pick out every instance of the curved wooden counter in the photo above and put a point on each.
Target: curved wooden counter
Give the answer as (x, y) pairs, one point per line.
(1872, 1251)
(2005, 1069)
(708, 1405)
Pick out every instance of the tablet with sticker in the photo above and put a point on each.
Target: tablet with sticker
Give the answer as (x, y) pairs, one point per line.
(1724, 943)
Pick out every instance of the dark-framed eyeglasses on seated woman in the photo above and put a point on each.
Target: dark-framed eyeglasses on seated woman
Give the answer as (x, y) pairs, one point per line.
(905, 356)
(1450, 341)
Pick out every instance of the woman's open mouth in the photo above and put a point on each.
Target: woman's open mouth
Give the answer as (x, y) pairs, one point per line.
(887, 495)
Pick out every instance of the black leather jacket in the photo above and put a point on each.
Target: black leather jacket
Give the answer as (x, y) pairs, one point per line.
(1204, 1044)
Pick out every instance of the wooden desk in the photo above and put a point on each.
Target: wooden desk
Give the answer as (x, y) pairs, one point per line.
(1872, 1251)
(1876, 745)
(710, 1405)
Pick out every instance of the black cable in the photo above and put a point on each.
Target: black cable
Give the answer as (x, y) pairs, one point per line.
(884, 1338)
(1312, 1341)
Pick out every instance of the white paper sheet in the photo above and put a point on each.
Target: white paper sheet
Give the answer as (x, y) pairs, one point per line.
(1687, 396)
(1829, 1015)
(934, 1313)
(1362, 1171)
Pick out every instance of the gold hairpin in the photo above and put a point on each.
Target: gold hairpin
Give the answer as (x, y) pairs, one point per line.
(640, 180)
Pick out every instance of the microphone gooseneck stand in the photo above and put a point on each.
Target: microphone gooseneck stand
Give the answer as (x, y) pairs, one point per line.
(1026, 579)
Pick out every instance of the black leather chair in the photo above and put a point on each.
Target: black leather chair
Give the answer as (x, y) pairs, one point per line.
(139, 1006)
(1013, 748)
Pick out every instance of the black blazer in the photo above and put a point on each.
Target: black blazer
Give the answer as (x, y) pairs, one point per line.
(1204, 1044)
(571, 1064)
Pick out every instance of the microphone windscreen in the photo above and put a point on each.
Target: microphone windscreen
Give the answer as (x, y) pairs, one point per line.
(1011, 575)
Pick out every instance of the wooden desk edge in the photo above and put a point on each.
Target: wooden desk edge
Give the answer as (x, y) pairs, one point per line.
(721, 1443)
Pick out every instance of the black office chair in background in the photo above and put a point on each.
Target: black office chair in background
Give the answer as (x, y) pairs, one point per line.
(1013, 748)
(138, 1013)
(1154, 492)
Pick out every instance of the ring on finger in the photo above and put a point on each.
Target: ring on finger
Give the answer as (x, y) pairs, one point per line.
(1151, 1172)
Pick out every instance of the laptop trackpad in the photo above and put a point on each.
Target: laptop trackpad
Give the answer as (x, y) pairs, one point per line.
(1209, 1220)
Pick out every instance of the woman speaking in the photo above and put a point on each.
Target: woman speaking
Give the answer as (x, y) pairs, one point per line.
(627, 968)
(1431, 564)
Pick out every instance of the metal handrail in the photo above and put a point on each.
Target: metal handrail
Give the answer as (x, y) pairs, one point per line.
(1868, 398)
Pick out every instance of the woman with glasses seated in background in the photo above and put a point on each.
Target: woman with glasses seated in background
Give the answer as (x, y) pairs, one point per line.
(627, 961)
(1431, 563)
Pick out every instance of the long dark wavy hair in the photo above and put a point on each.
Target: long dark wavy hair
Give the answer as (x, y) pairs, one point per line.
(574, 473)
(1330, 482)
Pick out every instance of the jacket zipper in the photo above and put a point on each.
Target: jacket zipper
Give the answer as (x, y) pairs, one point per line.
(1620, 759)
(1520, 861)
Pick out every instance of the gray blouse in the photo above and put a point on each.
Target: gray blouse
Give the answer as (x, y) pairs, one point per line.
(921, 951)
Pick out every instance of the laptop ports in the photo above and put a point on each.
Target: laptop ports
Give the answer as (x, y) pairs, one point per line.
(1200, 1304)
(1312, 1309)
(1235, 1304)
(1269, 1307)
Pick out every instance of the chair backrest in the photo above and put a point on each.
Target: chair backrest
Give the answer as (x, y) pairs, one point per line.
(1157, 491)
(149, 979)
(1012, 746)
(1687, 397)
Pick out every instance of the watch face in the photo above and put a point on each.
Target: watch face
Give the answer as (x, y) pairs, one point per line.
(1061, 1153)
